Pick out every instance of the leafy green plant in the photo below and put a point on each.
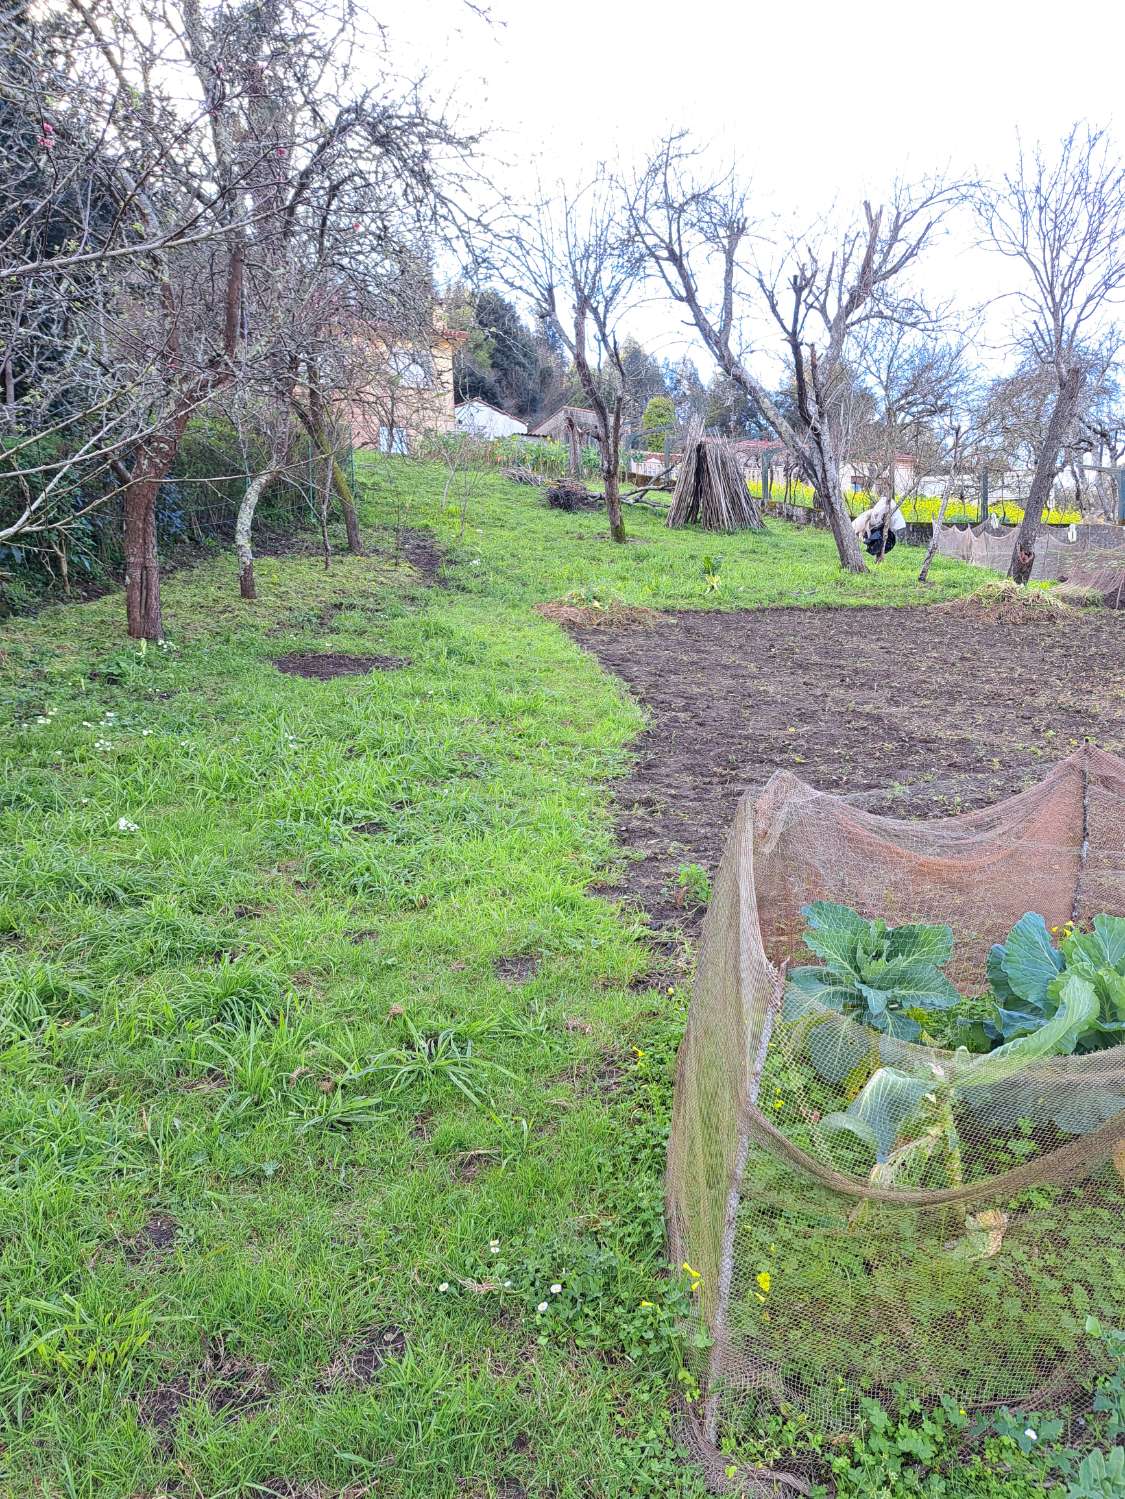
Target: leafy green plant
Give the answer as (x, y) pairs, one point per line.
(78, 1341)
(693, 887)
(1101, 1476)
(712, 576)
(1109, 1397)
(430, 1057)
(1026, 973)
(893, 1103)
(875, 973)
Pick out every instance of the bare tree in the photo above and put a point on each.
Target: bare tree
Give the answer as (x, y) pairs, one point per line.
(820, 293)
(577, 262)
(249, 199)
(1061, 220)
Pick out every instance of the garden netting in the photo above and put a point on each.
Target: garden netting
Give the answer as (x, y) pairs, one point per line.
(819, 1280)
(1056, 555)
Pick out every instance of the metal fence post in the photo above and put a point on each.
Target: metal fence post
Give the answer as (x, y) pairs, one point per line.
(983, 496)
(1121, 496)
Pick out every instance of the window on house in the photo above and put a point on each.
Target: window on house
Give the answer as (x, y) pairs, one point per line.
(393, 440)
(412, 368)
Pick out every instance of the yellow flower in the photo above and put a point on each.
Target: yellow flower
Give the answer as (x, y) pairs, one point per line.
(759, 1295)
(646, 1303)
(763, 1279)
(690, 1271)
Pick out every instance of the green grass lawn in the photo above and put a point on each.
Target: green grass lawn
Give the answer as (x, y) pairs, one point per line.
(221, 1005)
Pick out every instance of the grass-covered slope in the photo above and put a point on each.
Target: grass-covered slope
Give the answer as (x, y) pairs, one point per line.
(293, 1145)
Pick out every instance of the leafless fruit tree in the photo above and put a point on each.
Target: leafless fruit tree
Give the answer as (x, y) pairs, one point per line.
(1060, 219)
(821, 292)
(252, 199)
(578, 263)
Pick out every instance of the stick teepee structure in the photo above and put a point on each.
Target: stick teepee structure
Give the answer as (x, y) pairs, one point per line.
(711, 489)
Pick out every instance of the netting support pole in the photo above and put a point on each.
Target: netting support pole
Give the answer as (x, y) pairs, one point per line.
(730, 1220)
(1085, 851)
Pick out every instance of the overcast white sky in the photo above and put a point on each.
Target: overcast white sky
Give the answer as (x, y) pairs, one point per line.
(821, 104)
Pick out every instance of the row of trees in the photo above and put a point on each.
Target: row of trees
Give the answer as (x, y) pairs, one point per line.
(869, 358)
(202, 208)
(236, 209)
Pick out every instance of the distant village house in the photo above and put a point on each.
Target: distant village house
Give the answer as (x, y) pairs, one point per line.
(408, 391)
(479, 419)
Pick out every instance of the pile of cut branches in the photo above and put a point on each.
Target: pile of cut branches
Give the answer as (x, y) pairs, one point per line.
(570, 494)
(711, 490)
(522, 475)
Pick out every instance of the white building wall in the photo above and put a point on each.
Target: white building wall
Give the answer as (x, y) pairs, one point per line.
(479, 420)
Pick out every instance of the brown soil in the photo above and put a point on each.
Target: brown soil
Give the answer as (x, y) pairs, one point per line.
(422, 552)
(231, 1387)
(356, 1365)
(914, 712)
(323, 665)
(158, 1233)
(516, 970)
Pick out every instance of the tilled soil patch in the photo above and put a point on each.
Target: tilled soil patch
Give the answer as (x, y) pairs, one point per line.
(913, 712)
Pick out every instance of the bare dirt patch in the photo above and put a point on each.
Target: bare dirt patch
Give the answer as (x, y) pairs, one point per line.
(321, 666)
(913, 712)
(358, 1363)
(159, 1233)
(230, 1387)
(422, 552)
(516, 970)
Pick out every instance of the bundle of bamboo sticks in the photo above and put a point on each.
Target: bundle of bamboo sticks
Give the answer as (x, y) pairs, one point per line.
(711, 489)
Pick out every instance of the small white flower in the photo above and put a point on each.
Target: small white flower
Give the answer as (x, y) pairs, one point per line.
(494, 1246)
(1030, 1435)
(86, 724)
(103, 744)
(444, 1287)
(507, 1285)
(475, 562)
(542, 1306)
(183, 743)
(145, 733)
(85, 801)
(41, 719)
(125, 826)
(556, 1289)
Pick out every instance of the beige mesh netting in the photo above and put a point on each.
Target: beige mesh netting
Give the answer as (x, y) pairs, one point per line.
(1056, 555)
(820, 1280)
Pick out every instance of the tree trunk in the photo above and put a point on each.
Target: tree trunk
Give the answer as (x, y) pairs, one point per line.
(613, 504)
(351, 522)
(1066, 401)
(310, 418)
(243, 527)
(939, 518)
(830, 494)
(154, 458)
